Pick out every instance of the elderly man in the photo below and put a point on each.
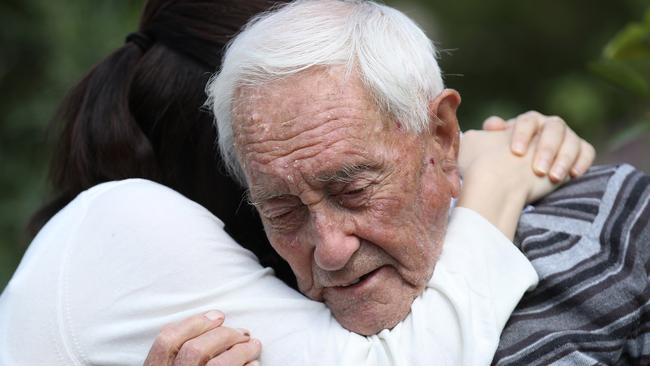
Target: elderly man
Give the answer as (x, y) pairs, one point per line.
(334, 114)
(348, 149)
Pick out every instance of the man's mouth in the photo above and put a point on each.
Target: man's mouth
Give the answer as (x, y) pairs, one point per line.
(359, 280)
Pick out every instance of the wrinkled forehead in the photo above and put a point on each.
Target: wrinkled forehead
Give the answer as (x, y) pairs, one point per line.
(281, 109)
(315, 107)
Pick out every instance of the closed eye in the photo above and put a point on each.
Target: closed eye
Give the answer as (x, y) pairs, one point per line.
(280, 215)
(354, 191)
(287, 219)
(354, 198)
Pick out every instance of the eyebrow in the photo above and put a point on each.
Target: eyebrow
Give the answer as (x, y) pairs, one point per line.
(348, 173)
(261, 195)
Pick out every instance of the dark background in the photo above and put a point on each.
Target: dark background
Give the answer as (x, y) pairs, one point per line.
(588, 62)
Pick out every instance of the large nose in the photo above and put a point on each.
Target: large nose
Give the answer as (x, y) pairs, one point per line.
(335, 241)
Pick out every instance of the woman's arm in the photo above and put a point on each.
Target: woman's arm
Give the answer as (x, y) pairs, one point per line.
(517, 162)
(496, 183)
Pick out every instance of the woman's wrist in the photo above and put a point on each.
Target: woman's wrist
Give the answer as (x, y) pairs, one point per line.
(498, 198)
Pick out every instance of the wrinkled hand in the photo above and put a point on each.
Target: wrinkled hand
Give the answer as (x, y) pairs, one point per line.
(202, 340)
(559, 152)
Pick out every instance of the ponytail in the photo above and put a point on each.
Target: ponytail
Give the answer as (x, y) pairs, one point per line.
(138, 114)
(99, 139)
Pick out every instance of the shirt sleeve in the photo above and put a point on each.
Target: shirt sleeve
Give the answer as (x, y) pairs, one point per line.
(144, 256)
(479, 278)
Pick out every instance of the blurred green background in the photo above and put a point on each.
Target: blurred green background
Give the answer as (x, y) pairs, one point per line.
(588, 62)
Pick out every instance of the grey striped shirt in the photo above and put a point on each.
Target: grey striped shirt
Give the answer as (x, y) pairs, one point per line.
(590, 243)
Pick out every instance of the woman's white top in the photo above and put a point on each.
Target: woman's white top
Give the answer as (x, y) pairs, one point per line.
(125, 258)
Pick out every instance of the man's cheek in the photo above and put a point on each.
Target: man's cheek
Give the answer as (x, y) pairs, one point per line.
(296, 252)
(440, 186)
(288, 248)
(385, 207)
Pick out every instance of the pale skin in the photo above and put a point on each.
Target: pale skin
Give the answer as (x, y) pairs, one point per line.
(317, 152)
(559, 153)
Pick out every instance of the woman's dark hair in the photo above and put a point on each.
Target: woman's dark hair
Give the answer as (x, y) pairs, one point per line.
(138, 114)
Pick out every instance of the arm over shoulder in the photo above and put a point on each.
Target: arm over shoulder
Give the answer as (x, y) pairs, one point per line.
(127, 257)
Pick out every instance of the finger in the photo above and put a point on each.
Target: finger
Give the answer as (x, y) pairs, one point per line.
(525, 127)
(239, 354)
(495, 123)
(199, 350)
(585, 159)
(549, 144)
(566, 157)
(173, 336)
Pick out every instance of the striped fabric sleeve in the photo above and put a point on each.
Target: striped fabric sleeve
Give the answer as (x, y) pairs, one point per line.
(589, 241)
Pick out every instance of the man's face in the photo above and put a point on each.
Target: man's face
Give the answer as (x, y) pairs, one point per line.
(357, 206)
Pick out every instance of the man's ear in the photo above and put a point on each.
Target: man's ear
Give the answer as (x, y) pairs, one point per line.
(443, 127)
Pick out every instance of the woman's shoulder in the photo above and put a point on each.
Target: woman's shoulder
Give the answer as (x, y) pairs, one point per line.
(120, 223)
(138, 199)
(141, 215)
(123, 227)
(133, 206)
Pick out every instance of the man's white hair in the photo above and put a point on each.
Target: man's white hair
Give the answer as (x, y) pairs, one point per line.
(391, 54)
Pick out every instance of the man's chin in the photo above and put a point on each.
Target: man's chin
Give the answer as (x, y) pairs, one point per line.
(373, 319)
(379, 302)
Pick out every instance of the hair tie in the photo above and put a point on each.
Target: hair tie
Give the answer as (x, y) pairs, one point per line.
(142, 40)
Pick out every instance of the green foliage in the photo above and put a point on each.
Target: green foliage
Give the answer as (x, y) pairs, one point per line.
(632, 42)
(625, 63)
(626, 58)
(622, 74)
(578, 99)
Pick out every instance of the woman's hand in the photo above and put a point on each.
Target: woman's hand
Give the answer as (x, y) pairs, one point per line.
(559, 153)
(202, 340)
(496, 183)
(485, 158)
